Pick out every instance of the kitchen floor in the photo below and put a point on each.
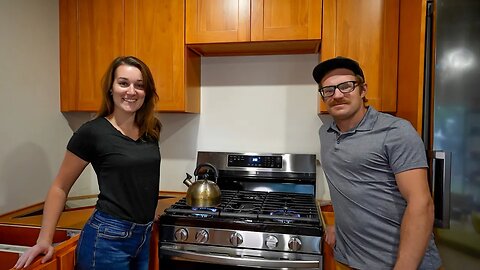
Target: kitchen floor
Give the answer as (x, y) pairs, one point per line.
(453, 259)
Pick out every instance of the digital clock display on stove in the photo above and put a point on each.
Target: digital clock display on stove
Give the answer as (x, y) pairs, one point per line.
(272, 161)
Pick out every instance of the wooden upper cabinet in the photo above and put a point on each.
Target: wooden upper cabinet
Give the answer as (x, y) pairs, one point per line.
(247, 27)
(89, 41)
(214, 21)
(286, 19)
(366, 31)
(217, 21)
(411, 62)
(158, 29)
(93, 33)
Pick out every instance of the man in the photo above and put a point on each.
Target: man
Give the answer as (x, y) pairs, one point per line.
(376, 170)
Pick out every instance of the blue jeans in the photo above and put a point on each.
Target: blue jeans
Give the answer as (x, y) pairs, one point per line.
(111, 243)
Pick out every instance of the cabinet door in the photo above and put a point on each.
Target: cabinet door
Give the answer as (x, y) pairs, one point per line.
(66, 258)
(65, 253)
(92, 34)
(286, 20)
(50, 265)
(215, 21)
(161, 24)
(366, 31)
(411, 61)
(153, 261)
(158, 28)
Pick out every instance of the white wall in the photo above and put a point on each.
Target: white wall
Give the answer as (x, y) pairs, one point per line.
(33, 132)
(249, 104)
(261, 104)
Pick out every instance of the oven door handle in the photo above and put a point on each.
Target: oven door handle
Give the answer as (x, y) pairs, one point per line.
(239, 261)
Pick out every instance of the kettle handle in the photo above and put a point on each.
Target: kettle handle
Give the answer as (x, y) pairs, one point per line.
(215, 171)
(187, 181)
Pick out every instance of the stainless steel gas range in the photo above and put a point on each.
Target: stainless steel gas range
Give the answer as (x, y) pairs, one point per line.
(267, 217)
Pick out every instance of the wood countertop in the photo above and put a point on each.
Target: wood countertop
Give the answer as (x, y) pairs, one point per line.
(74, 217)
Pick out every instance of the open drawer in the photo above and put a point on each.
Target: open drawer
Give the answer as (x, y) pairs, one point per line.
(15, 239)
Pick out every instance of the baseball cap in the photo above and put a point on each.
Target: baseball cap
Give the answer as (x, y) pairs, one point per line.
(338, 62)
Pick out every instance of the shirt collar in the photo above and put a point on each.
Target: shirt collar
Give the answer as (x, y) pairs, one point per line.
(367, 123)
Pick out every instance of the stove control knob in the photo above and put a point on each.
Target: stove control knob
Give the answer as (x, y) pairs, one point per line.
(181, 235)
(202, 236)
(271, 242)
(236, 239)
(295, 244)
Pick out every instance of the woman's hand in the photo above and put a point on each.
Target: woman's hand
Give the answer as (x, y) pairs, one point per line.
(330, 235)
(29, 255)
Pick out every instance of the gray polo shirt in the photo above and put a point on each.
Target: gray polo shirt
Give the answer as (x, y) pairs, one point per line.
(360, 167)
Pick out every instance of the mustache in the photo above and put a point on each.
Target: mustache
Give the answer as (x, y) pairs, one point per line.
(338, 102)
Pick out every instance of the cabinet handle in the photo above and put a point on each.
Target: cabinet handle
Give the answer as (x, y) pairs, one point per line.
(439, 181)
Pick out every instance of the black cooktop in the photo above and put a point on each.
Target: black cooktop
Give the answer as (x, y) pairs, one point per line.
(279, 212)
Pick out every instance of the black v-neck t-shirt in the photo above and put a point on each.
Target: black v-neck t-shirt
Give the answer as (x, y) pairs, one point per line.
(128, 170)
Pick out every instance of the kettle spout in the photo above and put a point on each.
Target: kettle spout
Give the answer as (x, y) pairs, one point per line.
(187, 180)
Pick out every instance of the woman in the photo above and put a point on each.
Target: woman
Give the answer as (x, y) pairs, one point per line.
(122, 145)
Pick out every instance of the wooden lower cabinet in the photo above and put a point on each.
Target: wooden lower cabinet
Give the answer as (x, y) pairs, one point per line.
(26, 236)
(7, 259)
(154, 262)
(329, 262)
(328, 259)
(51, 265)
(64, 258)
(328, 218)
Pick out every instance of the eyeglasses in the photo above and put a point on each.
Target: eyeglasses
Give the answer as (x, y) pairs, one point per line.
(344, 87)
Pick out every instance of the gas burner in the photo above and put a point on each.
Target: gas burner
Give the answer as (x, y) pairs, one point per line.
(251, 197)
(286, 198)
(201, 215)
(241, 207)
(285, 212)
(211, 209)
(284, 215)
(203, 212)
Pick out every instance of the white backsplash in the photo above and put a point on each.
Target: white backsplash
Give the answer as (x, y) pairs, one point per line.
(249, 104)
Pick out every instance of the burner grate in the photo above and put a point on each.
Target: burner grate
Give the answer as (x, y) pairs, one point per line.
(255, 206)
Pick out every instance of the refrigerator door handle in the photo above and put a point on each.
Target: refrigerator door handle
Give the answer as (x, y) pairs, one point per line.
(440, 186)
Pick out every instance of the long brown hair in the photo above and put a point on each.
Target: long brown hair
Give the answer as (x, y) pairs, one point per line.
(145, 119)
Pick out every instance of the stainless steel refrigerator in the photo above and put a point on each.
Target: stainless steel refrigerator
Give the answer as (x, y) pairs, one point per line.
(452, 127)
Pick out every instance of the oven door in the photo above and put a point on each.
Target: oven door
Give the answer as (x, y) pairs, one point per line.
(185, 256)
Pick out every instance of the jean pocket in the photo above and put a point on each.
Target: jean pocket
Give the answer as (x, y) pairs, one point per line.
(112, 232)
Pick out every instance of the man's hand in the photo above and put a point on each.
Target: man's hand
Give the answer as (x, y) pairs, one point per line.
(330, 235)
